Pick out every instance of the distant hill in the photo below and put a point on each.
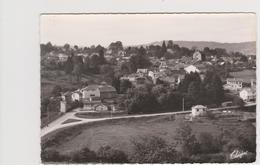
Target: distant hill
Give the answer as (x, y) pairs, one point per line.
(247, 48)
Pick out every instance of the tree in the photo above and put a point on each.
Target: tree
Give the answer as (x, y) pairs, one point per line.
(141, 100)
(164, 49)
(153, 149)
(194, 90)
(116, 83)
(67, 47)
(237, 101)
(84, 156)
(56, 91)
(125, 85)
(77, 71)
(106, 154)
(139, 61)
(170, 44)
(69, 65)
(187, 140)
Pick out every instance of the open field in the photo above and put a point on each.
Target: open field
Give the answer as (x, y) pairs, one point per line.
(118, 133)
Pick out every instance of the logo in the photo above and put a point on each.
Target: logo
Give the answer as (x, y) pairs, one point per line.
(238, 154)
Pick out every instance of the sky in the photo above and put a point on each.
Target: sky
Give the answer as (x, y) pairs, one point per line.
(135, 29)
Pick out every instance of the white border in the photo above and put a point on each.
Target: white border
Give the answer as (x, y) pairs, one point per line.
(19, 60)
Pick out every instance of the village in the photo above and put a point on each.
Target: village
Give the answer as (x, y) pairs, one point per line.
(104, 96)
(117, 84)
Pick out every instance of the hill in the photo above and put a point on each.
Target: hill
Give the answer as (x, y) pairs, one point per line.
(247, 48)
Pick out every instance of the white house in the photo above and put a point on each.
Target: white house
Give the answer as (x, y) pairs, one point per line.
(62, 57)
(142, 71)
(90, 92)
(247, 94)
(198, 110)
(191, 68)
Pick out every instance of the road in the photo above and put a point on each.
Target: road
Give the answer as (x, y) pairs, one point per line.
(57, 124)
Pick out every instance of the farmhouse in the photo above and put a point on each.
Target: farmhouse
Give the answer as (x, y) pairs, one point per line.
(198, 110)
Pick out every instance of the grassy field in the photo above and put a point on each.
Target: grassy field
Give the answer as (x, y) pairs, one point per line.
(118, 133)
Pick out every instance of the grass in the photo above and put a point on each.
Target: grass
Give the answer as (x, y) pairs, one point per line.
(70, 121)
(118, 133)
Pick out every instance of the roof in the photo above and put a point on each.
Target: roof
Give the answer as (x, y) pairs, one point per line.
(240, 80)
(249, 90)
(191, 68)
(107, 88)
(91, 87)
(199, 106)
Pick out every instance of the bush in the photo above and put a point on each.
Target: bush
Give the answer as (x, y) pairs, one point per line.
(210, 115)
(108, 155)
(208, 144)
(83, 156)
(187, 140)
(52, 156)
(153, 150)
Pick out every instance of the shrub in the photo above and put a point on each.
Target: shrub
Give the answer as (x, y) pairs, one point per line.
(210, 115)
(52, 156)
(106, 154)
(153, 150)
(83, 156)
(208, 144)
(187, 140)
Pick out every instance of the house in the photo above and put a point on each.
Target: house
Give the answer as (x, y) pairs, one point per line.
(198, 110)
(197, 56)
(163, 66)
(90, 91)
(142, 71)
(191, 68)
(248, 94)
(107, 92)
(62, 57)
(235, 84)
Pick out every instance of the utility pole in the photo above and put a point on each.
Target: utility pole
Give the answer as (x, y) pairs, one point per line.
(183, 104)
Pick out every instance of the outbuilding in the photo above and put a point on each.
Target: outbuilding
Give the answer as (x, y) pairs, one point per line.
(198, 110)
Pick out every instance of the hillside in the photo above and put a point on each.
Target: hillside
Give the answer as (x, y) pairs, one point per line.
(248, 48)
